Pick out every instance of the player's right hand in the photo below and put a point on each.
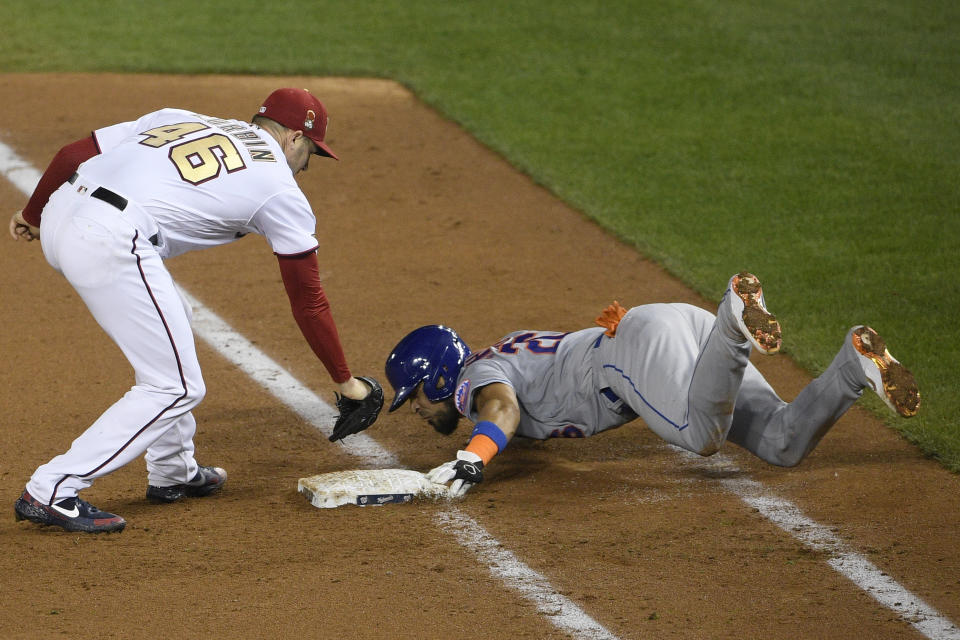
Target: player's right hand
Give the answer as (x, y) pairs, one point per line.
(465, 471)
(20, 228)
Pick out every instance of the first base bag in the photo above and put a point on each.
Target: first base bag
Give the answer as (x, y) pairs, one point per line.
(365, 487)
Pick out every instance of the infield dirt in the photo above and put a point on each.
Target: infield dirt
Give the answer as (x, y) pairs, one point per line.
(418, 224)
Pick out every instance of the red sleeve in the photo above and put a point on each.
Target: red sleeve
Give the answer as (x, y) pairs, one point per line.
(63, 165)
(301, 278)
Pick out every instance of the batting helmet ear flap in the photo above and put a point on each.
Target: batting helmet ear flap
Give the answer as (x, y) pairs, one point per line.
(441, 384)
(432, 355)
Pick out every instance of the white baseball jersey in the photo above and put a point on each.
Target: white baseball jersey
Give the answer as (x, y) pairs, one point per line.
(190, 182)
(178, 154)
(555, 379)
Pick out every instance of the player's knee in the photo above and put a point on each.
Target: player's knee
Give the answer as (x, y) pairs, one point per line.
(709, 450)
(194, 392)
(786, 458)
(185, 394)
(779, 452)
(708, 439)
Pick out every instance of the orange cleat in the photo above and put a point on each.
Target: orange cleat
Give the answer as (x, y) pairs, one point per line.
(892, 381)
(758, 325)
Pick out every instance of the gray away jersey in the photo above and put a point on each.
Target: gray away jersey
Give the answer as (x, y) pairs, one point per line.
(554, 377)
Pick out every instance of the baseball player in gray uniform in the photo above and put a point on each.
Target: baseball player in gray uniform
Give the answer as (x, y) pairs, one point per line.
(683, 370)
(114, 206)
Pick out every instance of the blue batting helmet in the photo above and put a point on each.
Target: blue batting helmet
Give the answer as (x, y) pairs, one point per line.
(433, 355)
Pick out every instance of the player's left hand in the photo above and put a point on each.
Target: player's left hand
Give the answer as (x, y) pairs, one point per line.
(20, 228)
(465, 471)
(357, 415)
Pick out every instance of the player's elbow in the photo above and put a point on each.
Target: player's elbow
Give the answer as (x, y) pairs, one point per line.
(314, 308)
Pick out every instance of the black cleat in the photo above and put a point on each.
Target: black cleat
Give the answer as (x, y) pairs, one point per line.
(73, 514)
(207, 480)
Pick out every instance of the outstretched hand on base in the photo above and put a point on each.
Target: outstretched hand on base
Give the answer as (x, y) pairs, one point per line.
(465, 471)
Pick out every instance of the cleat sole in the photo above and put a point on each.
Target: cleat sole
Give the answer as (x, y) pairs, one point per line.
(889, 379)
(757, 324)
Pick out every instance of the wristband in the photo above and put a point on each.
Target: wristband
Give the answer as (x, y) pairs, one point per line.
(493, 432)
(487, 440)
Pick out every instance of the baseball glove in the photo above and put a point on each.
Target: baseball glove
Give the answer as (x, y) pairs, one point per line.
(357, 415)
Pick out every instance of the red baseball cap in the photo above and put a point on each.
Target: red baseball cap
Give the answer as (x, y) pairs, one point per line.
(299, 110)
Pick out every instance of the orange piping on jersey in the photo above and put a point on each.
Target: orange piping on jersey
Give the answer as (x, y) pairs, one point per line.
(610, 318)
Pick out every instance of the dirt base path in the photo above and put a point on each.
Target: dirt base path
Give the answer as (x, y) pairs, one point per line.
(418, 224)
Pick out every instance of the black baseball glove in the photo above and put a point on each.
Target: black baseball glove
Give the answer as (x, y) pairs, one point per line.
(357, 415)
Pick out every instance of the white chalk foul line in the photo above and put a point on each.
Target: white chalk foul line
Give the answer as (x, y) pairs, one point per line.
(18, 171)
(283, 386)
(503, 564)
(845, 560)
(842, 558)
(562, 612)
(209, 327)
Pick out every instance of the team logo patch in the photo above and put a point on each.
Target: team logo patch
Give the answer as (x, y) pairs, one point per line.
(461, 395)
(311, 116)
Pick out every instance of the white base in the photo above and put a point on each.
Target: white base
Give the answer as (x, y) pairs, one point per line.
(368, 487)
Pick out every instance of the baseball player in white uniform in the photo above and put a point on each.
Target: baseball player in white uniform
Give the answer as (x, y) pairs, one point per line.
(114, 206)
(683, 370)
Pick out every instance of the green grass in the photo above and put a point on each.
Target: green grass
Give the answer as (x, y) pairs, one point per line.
(815, 143)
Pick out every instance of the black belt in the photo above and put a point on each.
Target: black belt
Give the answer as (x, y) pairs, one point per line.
(625, 410)
(611, 396)
(106, 195)
(114, 200)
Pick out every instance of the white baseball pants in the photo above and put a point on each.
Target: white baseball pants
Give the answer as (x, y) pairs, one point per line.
(119, 275)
